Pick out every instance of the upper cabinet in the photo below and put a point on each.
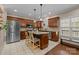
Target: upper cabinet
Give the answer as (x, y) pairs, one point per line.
(38, 24)
(23, 22)
(53, 22)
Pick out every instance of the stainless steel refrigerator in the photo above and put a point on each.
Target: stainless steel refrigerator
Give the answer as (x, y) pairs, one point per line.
(13, 32)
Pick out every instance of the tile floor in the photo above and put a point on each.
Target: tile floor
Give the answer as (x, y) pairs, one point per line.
(20, 48)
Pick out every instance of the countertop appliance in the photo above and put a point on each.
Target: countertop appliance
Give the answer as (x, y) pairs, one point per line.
(13, 31)
(29, 27)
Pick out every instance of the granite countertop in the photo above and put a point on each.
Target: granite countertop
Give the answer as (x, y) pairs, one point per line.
(44, 30)
(40, 32)
(50, 30)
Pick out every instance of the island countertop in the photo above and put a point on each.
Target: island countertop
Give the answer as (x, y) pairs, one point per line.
(50, 30)
(39, 32)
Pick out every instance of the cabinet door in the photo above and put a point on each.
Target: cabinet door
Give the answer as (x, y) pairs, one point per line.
(22, 35)
(38, 24)
(53, 22)
(44, 41)
(55, 36)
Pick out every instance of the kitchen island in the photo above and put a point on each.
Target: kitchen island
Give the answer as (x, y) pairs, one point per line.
(43, 36)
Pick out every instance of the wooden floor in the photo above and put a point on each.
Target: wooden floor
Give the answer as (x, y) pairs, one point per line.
(63, 50)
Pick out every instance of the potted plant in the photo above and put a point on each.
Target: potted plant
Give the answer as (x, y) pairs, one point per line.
(5, 26)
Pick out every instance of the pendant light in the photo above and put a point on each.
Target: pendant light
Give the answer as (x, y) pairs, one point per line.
(34, 15)
(41, 12)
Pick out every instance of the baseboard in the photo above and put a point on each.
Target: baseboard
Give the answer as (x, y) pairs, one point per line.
(69, 44)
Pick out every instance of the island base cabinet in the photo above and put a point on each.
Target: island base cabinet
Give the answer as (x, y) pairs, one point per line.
(43, 41)
(23, 35)
(54, 36)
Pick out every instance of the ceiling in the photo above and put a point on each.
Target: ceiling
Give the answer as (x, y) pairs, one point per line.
(27, 10)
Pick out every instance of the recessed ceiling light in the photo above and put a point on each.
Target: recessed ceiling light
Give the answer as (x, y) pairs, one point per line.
(15, 10)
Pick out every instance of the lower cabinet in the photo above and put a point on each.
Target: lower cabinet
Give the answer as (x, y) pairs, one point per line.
(55, 36)
(43, 41)
(22, 35)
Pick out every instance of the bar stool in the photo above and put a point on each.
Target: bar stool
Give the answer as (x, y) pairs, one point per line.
(33, 40)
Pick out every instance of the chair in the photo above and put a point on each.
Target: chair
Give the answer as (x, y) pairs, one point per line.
(34, 41)
(27, 37)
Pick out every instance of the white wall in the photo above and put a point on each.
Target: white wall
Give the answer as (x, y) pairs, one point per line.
(73, 13)
(2, 33)
(45, 21)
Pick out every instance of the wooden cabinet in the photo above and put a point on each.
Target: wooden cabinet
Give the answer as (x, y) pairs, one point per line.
(38, 24)
(53, 22)
(22, 35)
(23, 22)
(43, 41)
(55, 36)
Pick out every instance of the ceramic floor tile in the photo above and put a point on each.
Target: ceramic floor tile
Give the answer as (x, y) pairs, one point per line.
(21, 48)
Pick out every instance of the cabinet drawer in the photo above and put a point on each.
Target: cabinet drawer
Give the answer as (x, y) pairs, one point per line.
(44, 41)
